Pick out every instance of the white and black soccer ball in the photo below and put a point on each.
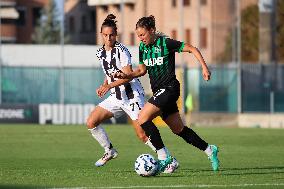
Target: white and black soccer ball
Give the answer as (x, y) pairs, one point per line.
(146, 165)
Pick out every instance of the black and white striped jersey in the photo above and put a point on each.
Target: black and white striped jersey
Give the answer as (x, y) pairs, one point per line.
(113, 61)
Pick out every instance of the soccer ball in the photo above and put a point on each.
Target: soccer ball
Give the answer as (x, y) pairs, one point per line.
(146, 165)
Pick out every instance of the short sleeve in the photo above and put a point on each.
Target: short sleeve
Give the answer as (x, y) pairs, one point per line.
(141, 54)
(125, 57)
(174, 45)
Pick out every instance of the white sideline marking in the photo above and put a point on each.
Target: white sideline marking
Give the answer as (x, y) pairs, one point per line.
(180, 186)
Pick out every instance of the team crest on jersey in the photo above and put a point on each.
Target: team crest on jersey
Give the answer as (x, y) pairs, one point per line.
(157, 50)
(154, 61)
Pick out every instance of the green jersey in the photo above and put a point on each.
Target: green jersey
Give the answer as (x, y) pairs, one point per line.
(159, 59)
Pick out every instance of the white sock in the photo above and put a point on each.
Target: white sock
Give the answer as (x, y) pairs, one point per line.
(101, 136)
(149, 143)
(208, 151)
(162, 153)
(168, 152)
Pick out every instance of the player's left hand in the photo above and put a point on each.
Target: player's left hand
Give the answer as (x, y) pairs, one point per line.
(103, 89)
(206, 73)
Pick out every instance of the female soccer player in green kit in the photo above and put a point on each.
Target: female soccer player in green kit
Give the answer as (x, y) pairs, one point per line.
(157, 57)
(126, 96)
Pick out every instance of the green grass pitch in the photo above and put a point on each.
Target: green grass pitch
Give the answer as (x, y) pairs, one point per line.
(33, 156)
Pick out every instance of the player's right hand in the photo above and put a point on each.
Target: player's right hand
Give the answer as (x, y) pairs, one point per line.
(102, 90)
(206, 73)
(99, 92)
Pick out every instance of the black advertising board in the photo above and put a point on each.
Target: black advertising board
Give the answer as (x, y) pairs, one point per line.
(18, 113)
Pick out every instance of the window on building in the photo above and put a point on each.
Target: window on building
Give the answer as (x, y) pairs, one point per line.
(174, 3)
(203, 2)
(131, 6)
(174, 34)
(119, 37)
(93, 20)
(187, 36)
(203, 38)
(21, 21)
(117, 7)
(186, 2)
(71, 24)
(8, 21)
(36, 15)
(83, 24)
(132, 38)
(105, 8)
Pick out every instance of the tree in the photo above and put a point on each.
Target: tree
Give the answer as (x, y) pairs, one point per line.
(250, 35)
(47, 30)
(280, 31)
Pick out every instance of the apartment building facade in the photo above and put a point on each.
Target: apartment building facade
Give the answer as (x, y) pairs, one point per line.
(80, 22)
(203, 23)
(18, 19)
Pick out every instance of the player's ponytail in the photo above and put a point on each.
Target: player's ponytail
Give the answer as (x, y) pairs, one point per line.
(146, 22)
(110, 22)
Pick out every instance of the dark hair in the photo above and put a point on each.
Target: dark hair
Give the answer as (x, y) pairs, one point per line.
(110, 22)
(146, 22)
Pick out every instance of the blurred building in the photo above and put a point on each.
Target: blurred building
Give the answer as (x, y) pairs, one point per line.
(203, 23)
(80, 22)
(9, 15)
(18, 19)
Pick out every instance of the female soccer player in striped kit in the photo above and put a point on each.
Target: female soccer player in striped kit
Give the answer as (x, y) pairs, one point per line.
(126, 95)
(157, 57)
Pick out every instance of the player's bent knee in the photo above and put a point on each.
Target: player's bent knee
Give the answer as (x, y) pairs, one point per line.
(91, 124)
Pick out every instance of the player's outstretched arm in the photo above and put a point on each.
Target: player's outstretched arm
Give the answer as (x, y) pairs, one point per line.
(205, 70)
(106, 87)
(138, 72)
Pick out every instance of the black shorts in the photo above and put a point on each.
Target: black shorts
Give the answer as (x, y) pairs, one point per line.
(166, 98)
